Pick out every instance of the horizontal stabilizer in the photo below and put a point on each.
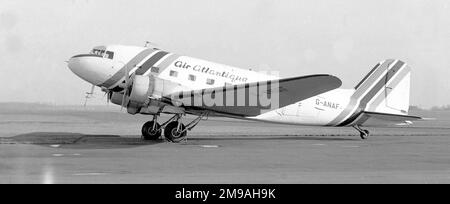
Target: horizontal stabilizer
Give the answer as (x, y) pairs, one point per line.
(374, 119)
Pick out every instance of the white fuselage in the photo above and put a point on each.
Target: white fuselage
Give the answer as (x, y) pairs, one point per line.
(318, 110)
(191, 73)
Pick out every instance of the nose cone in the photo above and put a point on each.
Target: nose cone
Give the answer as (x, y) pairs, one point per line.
(91, 68)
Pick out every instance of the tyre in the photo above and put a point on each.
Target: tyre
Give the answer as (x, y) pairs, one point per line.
(171, 133)
(150, 133)
(365, 134)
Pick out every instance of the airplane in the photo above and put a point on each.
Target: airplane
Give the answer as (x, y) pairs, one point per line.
(150, 81)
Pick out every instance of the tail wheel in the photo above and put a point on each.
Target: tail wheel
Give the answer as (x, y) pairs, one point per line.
(364, 134)
(151, 131)
(174, 133)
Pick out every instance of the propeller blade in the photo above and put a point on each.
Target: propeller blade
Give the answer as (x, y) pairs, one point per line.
(123, 101)
(125, 93)
(109, 96)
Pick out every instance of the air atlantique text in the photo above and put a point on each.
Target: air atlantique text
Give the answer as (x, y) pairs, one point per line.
(208, 70)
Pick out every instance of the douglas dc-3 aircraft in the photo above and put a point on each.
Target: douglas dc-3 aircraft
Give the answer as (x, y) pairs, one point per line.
(151, 81)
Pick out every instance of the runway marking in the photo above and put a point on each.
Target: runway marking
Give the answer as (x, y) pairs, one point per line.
(319, 144)
(55, 146)
(76, 154)
(57, 155)
(210, 146)
(91, 174)
(351, 146)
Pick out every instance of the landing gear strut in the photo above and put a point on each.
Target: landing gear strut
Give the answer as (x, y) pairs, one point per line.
(176, 131)
(364, 134)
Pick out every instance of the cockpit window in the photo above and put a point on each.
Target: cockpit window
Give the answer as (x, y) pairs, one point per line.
(103, 53)
(109, 55)
(98, 52)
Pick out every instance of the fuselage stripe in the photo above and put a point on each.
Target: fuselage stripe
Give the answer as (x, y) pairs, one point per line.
(374, 103)
(121, 73)
(359, 93)
(367, 76)
(380, 85)
(361, 119)
(167, 62)
(150, 62)
(374, 78)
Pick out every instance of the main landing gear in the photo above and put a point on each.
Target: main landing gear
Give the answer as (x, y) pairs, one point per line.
(151, 130)
(174, 130)
(364, 134)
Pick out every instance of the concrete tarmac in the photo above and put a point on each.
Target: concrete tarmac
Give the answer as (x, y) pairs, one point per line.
(103, 147)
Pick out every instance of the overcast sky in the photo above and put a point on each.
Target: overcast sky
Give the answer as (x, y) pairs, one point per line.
(345, 38)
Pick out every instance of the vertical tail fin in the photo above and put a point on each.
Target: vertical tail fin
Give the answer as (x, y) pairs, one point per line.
(386, 89)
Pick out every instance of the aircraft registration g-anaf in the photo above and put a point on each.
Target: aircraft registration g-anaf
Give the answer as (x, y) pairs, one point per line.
(151, 81)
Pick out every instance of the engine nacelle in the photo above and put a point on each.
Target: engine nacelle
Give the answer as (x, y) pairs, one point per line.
(140, 91)
(144, 88)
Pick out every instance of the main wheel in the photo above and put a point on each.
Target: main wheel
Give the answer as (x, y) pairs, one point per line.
(172, 134)
(150, 132)
(364, 134)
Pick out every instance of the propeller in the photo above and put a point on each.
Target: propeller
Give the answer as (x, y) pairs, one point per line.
(108, 94)
(127, 88)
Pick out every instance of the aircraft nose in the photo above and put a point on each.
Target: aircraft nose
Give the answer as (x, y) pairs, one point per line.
(73, 64)
(77, 65)
(90, 68)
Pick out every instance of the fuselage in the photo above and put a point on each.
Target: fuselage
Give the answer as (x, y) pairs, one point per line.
(106, 67)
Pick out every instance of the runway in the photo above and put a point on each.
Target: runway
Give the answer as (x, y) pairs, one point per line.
(73, 146)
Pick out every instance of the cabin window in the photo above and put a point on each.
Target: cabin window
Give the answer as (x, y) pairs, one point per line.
(210, 81)
(192, 77)
(173, 73)
(155, 69)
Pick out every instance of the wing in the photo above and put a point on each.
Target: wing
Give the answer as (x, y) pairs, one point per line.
(373, 119)
(252, 99)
